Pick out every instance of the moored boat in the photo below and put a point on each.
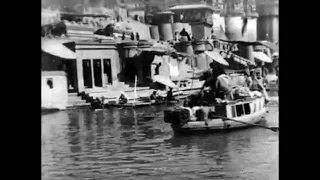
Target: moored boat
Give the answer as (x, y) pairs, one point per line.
(223, 116)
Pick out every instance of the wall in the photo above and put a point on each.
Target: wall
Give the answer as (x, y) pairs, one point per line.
(198, 31)
(268, 28)
(57, 97)
(251, 31)
(234, 27)
(142, 29)
(187, 27)
(49, 62)
(92, 52)
(219, 27)
(275, 30)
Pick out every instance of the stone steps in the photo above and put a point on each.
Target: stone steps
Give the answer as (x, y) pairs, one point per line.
(111, 96)
(76, 101)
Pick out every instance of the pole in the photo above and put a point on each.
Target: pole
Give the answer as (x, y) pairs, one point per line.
(135, 89)
(178, 62)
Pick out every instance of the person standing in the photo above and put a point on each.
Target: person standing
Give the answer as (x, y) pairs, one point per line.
(169, 94)
(157, 69)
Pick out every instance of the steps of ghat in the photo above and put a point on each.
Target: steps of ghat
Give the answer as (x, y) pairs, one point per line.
(74, 100)
(142, 92)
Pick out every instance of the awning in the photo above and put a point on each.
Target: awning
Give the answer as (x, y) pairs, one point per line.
(275, 54)
(215, 55)
(164, 80)
(262, 57)
(57, 48)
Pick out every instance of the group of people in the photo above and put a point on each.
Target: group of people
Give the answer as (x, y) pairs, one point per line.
(222, 88)
(154, 97)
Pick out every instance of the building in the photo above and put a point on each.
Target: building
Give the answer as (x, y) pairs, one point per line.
(241, 20)
(54, 94)
(199, 17)
(268, 22)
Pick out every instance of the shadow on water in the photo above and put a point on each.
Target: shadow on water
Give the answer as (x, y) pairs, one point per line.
(121, 144)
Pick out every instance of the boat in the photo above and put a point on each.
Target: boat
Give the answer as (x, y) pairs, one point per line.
(143, 104)
(219, 116)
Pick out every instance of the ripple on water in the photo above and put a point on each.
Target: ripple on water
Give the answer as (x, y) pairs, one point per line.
(114, 144)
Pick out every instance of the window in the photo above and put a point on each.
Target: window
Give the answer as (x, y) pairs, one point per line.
(50, 83)
(246, 108)
(233, 111)
(239, 109)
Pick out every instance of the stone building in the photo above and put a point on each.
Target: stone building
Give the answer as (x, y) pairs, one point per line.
(268, 22)
(241, 20)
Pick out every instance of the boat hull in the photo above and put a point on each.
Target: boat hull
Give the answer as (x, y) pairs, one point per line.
(218, 125)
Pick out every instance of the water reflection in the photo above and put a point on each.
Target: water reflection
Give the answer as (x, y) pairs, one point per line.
(121, 143)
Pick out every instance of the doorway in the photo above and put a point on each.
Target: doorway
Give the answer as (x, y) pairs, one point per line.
(107, 70)
(69, 68)
(97, 72)
(87, 73)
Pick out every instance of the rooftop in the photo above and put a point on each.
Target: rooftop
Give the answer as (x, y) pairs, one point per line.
(191, 6)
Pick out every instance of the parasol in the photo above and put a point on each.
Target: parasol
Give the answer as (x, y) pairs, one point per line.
(164, 80)
(215, 55)
(262, 57)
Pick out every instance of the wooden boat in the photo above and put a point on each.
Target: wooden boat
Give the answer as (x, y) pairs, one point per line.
(215, 117)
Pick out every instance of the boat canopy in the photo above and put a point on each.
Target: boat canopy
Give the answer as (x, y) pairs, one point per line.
(262, 57)
(215, 55)
(164, 80)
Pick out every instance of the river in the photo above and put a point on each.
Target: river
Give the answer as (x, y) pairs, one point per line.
(121, 144)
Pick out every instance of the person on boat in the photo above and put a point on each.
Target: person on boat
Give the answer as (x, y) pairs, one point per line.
(122, 99)
(98, 103)
(271, 77)
(257, 86)
(210, 81)
(219, 83)
(223, 85)
(170, 94)
(248, 79)
(157, 68)
(154, 97)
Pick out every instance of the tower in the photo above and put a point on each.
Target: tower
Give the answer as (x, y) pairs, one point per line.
(249, 29)
(268, 22)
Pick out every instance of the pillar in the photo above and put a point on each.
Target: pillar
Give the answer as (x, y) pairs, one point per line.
(200, 59)
(199, 45)
(268, 21)
(80, 79)
(233, 20)
(142, 59)
(92, 73)
(234, 27)
(154, 32)
(129, 48)
(186, 47)
(166, 31)
(177, 26)
(165, 25)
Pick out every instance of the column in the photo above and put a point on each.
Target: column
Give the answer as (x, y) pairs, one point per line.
(102, 73)
(80, 80)
(92, 73)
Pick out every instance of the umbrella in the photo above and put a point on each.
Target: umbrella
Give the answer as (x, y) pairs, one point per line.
(262, 57)
(164, 80)
(215, 55)
(57, 48)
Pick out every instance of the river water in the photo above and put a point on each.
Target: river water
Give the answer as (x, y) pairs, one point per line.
(123, 144)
